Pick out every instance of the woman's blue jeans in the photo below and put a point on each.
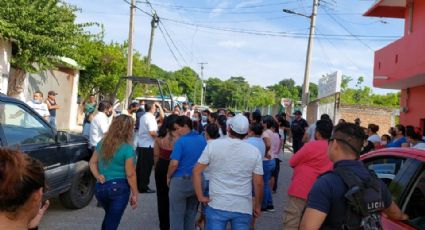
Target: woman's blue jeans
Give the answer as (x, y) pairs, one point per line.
(113, 196)
(268, 168)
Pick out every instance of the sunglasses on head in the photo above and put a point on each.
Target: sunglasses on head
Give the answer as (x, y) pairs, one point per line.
(345, 142)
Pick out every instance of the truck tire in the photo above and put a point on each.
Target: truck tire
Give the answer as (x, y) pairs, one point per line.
(82, 189)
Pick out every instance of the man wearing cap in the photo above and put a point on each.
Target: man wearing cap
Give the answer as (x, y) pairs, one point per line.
(52, 106)
(233, 167)
(298, 128)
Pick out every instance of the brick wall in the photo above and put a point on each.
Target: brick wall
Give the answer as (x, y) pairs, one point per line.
(384, 117)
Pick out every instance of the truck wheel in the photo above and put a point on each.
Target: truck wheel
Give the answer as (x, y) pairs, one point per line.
(81, 191)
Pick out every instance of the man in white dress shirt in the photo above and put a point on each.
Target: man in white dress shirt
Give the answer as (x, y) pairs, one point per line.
(148, 131)
(100, 123)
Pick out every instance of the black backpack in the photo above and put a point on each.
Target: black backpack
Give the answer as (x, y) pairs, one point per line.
(364, 201)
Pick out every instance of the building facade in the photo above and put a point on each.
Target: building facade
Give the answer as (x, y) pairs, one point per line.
(401, 64)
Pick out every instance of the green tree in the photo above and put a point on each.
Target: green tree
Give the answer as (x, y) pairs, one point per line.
(104, 64)
(345, 81)
(187, 79)
(41, 31)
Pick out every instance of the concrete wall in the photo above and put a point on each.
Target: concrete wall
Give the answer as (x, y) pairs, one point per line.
(384, 117)
(5, 54)
(64, 81)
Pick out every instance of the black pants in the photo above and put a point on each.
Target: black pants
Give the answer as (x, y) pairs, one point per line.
(297, 143)
(275, 174)
(144, 167)
(162, 193)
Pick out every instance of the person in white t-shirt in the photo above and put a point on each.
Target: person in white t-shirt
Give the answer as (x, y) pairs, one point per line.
(100, 123)
(233, 167)
(39, 106)
(148, 131)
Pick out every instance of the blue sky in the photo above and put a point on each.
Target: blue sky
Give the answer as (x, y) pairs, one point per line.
(202, 33)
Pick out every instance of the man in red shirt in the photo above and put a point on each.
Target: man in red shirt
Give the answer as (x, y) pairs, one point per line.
(309, 162)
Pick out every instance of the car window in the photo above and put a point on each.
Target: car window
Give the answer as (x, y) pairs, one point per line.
(21, 127)
(415, 205)
(385, 167)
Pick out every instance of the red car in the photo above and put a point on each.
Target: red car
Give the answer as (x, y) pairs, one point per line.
(403, 170)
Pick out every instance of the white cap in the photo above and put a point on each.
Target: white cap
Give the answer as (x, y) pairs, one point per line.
(239, 124)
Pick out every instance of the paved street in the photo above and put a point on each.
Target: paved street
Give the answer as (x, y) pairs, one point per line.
(145, 216)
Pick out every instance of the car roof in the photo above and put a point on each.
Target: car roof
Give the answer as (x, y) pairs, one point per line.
(143, 80)
(418, 154)
(4, 97)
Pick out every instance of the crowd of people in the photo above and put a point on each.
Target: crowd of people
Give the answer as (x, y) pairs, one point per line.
(218, 168)
(189, 152)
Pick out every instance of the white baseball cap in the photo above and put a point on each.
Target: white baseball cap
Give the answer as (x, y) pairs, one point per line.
(239, 124)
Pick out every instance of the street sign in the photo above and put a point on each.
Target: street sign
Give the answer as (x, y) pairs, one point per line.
(329, 84)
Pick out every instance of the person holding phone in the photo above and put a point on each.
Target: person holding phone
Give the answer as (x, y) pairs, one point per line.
(21, 191)
(113, 165)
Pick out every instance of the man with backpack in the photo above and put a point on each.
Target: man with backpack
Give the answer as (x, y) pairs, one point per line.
(350, 196)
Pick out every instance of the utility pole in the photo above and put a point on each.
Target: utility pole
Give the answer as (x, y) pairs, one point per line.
(306, 85)
(202, 81)
(154, 24)
(129, 85)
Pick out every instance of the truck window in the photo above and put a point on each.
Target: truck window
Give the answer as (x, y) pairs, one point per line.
(21, 127)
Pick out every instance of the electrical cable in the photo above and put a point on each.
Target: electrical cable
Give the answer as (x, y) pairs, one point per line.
(348, 31)
(218, 8)
(172, 42)
(278, 33)
(169, 48)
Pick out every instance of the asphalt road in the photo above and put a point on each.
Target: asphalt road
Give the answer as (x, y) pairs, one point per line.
(145, 216)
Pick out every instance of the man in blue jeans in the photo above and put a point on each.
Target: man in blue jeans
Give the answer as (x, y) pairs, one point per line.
(233, 167)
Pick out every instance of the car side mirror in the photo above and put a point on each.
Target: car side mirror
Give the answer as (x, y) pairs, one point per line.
(62, 137)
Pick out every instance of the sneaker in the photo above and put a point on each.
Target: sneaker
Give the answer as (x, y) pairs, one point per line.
(270, 208)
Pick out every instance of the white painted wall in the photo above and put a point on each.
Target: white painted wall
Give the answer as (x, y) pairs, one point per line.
(5, 54)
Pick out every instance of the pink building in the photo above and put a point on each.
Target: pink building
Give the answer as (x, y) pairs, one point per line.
(401, 64)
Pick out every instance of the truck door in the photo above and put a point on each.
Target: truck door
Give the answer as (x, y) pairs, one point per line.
(25, 130)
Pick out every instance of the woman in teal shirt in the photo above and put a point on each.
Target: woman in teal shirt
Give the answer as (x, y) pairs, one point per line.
(113, 165)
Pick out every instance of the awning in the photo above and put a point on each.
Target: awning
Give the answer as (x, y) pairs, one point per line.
(387, 9)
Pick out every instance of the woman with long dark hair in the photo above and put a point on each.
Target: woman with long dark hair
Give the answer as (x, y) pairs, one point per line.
(113, 165)
(163, 147)
(21, 191)
(222, 123)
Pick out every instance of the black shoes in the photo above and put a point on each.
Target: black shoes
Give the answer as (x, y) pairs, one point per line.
(269, 208)
(148, 190)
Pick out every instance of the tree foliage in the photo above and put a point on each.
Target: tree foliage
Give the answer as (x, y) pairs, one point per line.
(363, 95)
(41, 31)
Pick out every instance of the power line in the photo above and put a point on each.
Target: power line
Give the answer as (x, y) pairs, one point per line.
(216, 8)
(172, 42)
(329, 61)
(341, 52)
(135, 6)
(348, 31)
(168, 34)
(277, 33)
(169, 47)
(162, 32)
